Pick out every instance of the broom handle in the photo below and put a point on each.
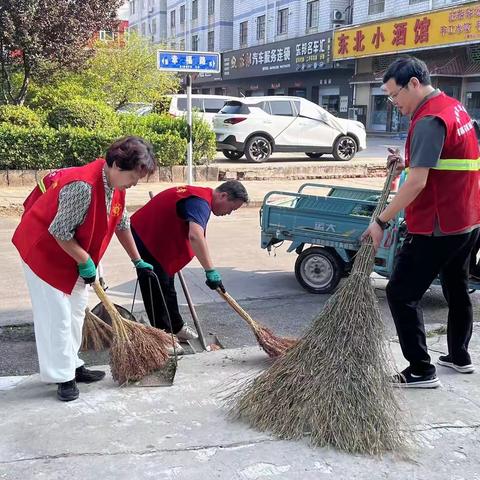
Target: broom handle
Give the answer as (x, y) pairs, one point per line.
(233, 303)
(108, 304)
(193, 312)
(382, 202)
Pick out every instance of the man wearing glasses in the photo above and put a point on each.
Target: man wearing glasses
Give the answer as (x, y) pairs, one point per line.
(441, 198)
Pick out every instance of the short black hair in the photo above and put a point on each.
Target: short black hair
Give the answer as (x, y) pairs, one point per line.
(132, 153)
(234, 190)
(405, 68)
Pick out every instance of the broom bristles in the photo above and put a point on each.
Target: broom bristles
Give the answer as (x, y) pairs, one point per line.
(137, 350)
(334, 383)
(272, 344)
(140, 353)
(96, 334)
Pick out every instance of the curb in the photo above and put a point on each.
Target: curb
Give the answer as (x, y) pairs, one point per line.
(211, 173)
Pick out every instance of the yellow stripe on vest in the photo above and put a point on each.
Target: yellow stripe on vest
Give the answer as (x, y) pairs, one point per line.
(458, 164)
(41, 185)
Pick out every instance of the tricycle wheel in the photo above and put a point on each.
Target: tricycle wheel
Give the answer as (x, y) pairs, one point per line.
(318, 270)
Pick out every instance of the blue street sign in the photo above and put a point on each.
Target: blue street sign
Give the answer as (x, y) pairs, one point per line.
(187, 62)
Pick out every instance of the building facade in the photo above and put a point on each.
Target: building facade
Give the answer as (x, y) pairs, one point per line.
(285, 48)
(445, 34)
(269, 22)
(332, 52)
(200, 25)
(149, 19)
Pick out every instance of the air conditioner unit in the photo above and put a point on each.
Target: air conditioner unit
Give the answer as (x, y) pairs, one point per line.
(338, 16)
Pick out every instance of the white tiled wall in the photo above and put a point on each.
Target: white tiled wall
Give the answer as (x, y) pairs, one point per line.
(147, 11)
(220, 22)
(250, 10)
(398, 8)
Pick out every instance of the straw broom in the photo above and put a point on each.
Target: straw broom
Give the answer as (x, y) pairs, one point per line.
(272, 344)
(137, 350)
(334, 384)
(96, 334)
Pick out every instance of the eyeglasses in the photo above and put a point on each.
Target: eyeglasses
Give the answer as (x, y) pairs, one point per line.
(392, 98)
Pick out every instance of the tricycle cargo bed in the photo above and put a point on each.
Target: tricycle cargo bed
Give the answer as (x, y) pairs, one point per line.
(339, 216)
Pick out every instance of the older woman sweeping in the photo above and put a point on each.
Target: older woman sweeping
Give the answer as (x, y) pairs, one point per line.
(62, 236)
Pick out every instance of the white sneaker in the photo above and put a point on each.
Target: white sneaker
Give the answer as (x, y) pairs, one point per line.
(446, 361)
(178, 349)
(186, 333)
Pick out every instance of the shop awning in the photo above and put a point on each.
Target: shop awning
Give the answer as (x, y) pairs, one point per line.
(457, 66)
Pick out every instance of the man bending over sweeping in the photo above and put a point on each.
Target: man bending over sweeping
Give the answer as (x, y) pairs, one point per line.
(61, 237)
(441, 198)
(169, 231)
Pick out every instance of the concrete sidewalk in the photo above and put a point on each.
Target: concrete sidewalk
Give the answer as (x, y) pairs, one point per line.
(181, 432)
(12, 198)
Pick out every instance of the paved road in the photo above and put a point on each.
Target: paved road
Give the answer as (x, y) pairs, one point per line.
(375, 151)
(264, 284)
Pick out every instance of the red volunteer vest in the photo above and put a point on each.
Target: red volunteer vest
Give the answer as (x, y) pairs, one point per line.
(42, 187)
(39, 249)
(163, 232)
(452, 192)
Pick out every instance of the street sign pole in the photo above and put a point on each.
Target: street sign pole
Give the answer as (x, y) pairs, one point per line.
(188, 62)
(190, 128)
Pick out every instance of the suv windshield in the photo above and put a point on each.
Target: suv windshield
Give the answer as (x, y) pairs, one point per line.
(233, 107)
(133, 107)
(213, 105)
(197, 104)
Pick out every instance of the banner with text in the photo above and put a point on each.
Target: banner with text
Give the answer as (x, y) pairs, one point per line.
(309, 53)
(452, 26)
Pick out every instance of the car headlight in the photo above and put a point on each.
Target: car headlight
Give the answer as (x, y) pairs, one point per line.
(359, 124)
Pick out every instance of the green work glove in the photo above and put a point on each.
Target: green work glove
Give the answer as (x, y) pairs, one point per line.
(88, 271)
(214, 280)
(140, 264)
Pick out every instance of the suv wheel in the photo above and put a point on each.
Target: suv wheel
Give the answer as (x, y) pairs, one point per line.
(313, 154)
(258, 149)
(232, 154)
(344, 148)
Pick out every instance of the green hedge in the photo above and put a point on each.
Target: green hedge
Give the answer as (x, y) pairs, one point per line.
(79, 146)
(82, 113)
(20, 116)
(38, 147)
(29, 148)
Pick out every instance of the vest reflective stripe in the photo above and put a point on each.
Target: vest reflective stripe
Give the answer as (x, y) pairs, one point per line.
(459, 164)
(41, 186)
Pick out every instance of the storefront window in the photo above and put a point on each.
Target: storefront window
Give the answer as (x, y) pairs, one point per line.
(255, 93)
(331, 103)
(277, 91)
(473, 104)
(379, 113)
(399, 122)
(298, 92)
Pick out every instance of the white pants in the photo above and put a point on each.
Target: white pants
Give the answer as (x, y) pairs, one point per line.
(58, 321)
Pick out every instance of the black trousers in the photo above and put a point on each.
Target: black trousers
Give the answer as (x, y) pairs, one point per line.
(152, 299)
(474, 266)
(418, 263)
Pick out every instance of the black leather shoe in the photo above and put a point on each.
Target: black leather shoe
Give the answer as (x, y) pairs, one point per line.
(67, 391)
(84, 375)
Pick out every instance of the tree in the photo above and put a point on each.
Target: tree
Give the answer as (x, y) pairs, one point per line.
(126, 72)
(41, 36)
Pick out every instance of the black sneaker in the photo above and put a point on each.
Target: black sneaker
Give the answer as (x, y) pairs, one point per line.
(67, 391)
(447, 361)
(406, 379)
(84, 375)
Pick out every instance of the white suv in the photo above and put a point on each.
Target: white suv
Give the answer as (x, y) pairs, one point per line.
(258, 126)
(206, 106)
